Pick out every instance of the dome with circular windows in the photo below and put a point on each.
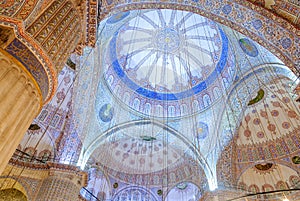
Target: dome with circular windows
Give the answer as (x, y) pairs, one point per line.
(159, 61)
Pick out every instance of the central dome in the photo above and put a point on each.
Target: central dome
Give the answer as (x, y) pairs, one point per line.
(160, 61)
(167, 40)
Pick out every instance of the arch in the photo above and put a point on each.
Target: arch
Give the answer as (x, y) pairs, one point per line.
(281, 185)
(44, 73)
(217, 92)
(11, 183)
(242, 186)
(253, 188)
(136, 104)
(85, 155)
(171, 111)
(12, 194)
(276, 163)
(231, 173)
(45, 155)
(196, 106)
(110, 80)
(98, 184)
(134, 193)
(30, 154)
(206, 100)
(267, 188)
(126, 97)
(231, 115)
(294, 181)
(225, 83)
(237, 15)
(43, 115)
(187, 183)
(101, 195)
(147, 109)
(159, 110)
(265, 180)
(47, 139)
(183, 109)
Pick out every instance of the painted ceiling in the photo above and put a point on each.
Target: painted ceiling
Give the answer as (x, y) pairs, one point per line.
(188, 77)
(166, 59)
(169, 90)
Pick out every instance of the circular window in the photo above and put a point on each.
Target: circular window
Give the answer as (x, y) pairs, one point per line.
(296, 160)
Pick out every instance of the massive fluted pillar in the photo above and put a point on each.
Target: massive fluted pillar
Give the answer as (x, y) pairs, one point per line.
(36, 38)
(20, 102)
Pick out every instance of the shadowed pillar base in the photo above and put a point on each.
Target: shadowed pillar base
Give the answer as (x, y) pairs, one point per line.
(63, 183)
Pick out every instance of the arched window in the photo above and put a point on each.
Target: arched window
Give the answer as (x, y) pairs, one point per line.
(147, 108)
(253, 188)
(101, 196)
(44, 155)
(184, 191)
(43, 115)
(134, 193)
(206, 100)
(171, 111)
(294, 181)
(217, 92)
(242, 186)
(29, 154)
(281, 185)
(136, 104)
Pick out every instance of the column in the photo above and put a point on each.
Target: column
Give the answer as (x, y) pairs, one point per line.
(20, 102)
(35, 41)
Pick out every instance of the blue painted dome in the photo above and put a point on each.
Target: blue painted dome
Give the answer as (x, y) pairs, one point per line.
(160, 61)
